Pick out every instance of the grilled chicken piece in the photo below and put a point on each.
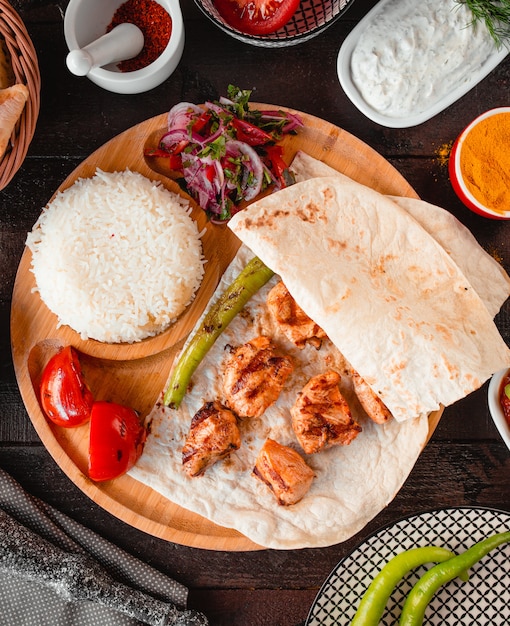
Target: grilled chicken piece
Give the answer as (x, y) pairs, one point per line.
(373, 405)
(291, 319)
(213, 435)
(321, 416)
(284, 471)
(254, 377)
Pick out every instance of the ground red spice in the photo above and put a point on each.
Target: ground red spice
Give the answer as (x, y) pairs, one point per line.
(155, 24)
(504, 399)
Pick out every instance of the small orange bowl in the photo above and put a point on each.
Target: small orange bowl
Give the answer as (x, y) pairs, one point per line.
(468, 182)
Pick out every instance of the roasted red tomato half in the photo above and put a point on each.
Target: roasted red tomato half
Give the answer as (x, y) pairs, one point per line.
(257, 17)
(65, 397)
(116, 440)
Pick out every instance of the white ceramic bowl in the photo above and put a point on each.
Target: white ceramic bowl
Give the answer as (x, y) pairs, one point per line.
(413, 119)
(87, 20)
(311, 18)
(495, 407)
(455, 170)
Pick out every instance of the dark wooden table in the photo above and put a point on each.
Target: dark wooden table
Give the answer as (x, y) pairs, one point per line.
(465, 463)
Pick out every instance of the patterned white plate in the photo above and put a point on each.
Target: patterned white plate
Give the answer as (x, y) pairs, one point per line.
(482, 601)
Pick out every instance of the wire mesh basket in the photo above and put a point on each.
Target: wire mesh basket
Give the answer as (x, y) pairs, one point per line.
(311, 18)
(26, 70)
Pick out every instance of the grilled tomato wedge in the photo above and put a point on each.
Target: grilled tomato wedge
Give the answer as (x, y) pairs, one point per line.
(116, 441)
(65, 397)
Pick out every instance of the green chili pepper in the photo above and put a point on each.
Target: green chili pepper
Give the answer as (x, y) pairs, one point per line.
(507, 391)
(421, 594)
(222, 312)
(373, 602)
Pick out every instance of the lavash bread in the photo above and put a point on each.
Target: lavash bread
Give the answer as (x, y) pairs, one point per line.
(352, 484)
(485, 274)
(387, 294)
(12, 103)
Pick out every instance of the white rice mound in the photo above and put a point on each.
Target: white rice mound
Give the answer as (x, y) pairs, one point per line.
(117, 257)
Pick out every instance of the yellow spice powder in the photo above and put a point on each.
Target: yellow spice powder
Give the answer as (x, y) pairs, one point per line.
(485, 162)
(443, 153)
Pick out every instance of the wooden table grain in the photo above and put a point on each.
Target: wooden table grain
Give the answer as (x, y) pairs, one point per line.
(465, 463)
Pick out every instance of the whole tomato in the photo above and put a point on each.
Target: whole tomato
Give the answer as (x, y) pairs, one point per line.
(65, 397)
(116, 440)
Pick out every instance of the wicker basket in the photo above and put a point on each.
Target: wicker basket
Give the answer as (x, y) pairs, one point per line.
(26, 71)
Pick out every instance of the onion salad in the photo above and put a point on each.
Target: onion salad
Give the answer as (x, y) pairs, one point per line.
(226, 153)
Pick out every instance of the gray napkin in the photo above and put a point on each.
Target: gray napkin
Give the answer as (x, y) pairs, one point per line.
(55, 571)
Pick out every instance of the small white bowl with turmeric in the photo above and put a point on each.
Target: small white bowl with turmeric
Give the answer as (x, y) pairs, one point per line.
(479, 164)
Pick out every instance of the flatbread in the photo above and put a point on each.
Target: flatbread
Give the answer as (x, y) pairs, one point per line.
(485, 274)
(387, 294)
(12, 103)
(352, 484)
(330, 239)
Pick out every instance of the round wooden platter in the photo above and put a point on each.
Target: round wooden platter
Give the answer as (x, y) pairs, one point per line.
(135, 374)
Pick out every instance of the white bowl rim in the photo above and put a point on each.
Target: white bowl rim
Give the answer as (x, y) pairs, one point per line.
(350, 89)
(173, 48)
(495, 408)
(456, 162)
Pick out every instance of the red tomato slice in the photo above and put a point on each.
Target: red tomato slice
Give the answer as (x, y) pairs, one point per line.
(65, 397)
(116, 440)
(276, 164)
(257, 17)
(201, 122)
(174, 160)
(249, 133)
(210, 173)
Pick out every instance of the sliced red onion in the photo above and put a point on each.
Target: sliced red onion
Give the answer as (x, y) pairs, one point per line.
(216, 108)
(253, 164)
(294, 121)
(176, 135)
(205, 192)
(216, 134)
(226, 101)
(269, 174)
(180, 114)
(219, 179)
(201, 189)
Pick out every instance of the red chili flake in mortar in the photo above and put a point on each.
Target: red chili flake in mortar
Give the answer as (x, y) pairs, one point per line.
(155, 24)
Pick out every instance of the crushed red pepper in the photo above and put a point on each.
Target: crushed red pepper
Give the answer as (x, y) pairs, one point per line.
(504, 398)
(155, 24)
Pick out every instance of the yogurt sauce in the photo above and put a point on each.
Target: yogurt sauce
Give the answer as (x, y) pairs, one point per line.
(414, 52)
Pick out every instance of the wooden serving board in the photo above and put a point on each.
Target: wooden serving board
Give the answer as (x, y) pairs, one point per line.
(135, 374)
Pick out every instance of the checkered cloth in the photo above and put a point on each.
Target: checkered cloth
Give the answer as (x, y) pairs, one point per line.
(54, 571)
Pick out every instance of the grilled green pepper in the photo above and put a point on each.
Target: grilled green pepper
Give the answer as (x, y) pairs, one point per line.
(254, 276)
(421, 594)
(373, 602)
